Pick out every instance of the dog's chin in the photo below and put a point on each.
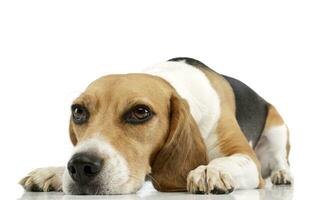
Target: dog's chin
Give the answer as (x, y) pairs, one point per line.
(88, 189)
(96, 189)
(100, 187)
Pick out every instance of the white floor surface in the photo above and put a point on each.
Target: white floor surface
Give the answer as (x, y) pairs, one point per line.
(148, 192)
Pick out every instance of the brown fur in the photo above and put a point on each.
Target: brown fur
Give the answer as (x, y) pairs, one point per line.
(183, 151)
(72, 135)
(230, 137)
(169, 145)
(273, 118)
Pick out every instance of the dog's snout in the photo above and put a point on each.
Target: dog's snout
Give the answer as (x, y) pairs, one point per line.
(84, 167)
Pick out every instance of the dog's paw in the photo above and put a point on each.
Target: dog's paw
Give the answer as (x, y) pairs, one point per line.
(206, 180)
(281, 177)
(43, 180)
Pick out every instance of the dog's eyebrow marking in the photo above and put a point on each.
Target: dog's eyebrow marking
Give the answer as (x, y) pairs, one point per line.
(82, 99)
(130, 103)
(88, 101)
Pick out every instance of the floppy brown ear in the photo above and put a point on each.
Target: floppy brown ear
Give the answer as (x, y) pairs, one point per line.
(182, 152)
(72, 134)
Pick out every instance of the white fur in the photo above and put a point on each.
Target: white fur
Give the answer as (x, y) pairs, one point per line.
(226, 173)
(114, 176)
(213, 147)
(271, 150)
(192, 85)
(241, 168)
(44, 179)
(205, 179)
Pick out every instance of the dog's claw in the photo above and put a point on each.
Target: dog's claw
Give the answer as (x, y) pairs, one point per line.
(43, 180)
(207, 180)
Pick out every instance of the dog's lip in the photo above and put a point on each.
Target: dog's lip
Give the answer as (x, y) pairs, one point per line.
(87, 189)
(95, 187)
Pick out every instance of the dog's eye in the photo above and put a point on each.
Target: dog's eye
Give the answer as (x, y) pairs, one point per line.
(80, 114)
(138, 114)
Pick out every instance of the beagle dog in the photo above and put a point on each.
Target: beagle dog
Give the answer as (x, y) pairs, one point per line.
(180, 123)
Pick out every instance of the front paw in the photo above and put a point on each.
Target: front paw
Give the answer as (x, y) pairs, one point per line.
(206, 180)
(43, 180)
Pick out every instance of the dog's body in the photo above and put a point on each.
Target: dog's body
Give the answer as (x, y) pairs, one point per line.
(198, 131)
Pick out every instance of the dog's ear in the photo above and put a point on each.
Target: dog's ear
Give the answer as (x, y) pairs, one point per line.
(183, 151)
(72, 134)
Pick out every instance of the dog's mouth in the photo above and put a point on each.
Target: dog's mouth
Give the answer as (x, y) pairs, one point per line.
(87, 189)
(89, 177)
(102, 184)
(96, 168)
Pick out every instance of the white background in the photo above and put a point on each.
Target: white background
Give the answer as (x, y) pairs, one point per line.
(51, 50)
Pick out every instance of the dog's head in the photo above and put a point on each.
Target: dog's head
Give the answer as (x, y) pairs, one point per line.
(125, 127)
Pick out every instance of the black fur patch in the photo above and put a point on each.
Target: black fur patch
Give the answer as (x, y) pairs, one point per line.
(192, 62)
(251, 110)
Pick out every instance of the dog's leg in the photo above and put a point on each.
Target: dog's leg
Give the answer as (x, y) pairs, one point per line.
(44, 180)
(223, 175)
(273, 149)
(233, 163)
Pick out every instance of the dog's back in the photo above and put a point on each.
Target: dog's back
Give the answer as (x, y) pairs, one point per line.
(251, 109)
(258, 120)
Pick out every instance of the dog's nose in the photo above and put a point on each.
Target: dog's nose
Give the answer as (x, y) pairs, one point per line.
(84, 167)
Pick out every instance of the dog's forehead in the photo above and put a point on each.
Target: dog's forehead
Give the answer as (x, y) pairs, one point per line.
(126, 86)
